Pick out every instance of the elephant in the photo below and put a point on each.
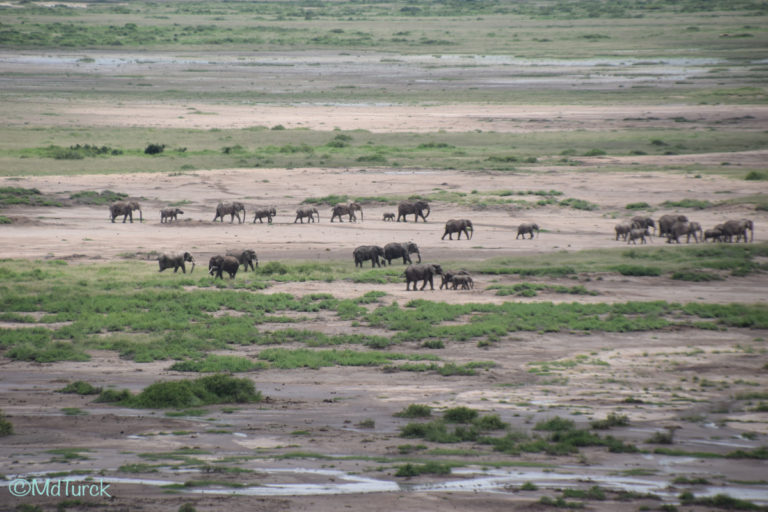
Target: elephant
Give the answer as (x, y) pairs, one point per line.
(636, 233)
(739, 228)
(231, 209)
(306, 211)
(219, 264)
(413, 207)
(246, 257)
(448, 276)
(458, 226)
(527, 228)
(666, 222)
(389, 217)
(369, 252)
(421, 272)
(169, 214)
(260, 213)
(622, 230)
(696, 228)
(175, 261)
(715, 234)
(639, 221)
(401, 250)
(125, 209)
(681, 228)
(463, 281)
(347, 209)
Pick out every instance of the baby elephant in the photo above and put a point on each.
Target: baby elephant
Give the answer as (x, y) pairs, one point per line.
(389, 217)
(219, 264)
(636, 233)
(447, 276)
(169, 214)
(463, 281)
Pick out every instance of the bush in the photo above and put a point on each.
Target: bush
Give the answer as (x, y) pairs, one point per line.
(638, 206)
(154, 149)
(556, 424)
(6, 428)
(613, 420)
(80, 388)
(460, 415)
(432, 468)
(756, 176)
(415, 411)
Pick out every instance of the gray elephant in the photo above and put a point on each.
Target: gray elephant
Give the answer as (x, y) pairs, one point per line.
(125, 209)
(716, 235)
(681, 228)
(401, 250)
(231, 209)
(389, 217)
(246, 257)
(636, 233)
(464, 282)
(369, 252)
(347, 209)
(175, 260)
(421, 272)
(219, 264)
(697, 230)
(527, 228)
(169, 214)
(416, 208)
(306, 211)
(458, 226)
(622, 230)
(448, 276)
(638, 221)
(739, 228)
(666, 222)
(260, 213)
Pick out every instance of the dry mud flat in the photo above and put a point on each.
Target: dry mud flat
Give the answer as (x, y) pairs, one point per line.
(327, 439)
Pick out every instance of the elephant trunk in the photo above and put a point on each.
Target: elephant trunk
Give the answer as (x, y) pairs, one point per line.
(193, 268)
(419, 255)
(141, 218)
(428, 212)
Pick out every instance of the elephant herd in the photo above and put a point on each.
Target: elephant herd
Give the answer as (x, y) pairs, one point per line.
(676, 226)
(217, 265)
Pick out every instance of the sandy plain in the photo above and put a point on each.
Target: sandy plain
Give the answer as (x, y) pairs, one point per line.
(320, 412)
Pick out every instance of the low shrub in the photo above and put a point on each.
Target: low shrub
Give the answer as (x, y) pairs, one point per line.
(415, 411)
(80, 388)
(430, 468)
(6, 427)
(460, 415)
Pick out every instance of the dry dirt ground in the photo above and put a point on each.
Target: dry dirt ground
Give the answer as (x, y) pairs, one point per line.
(324, 412)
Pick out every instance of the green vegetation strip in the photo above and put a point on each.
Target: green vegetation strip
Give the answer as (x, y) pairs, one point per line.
(27, 151)
(131, 309)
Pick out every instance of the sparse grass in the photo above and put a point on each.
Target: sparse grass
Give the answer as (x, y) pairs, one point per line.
(6, 427)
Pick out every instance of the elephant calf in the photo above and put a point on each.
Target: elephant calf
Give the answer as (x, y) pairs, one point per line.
(389, 217)
(448, 275)
(527, 228)
(463, 281)
(175, 261)
(421, 272)
(260, 213)
(715, 234)
(636, 233)
(219, 264)
(622, 230)
(169, 214)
